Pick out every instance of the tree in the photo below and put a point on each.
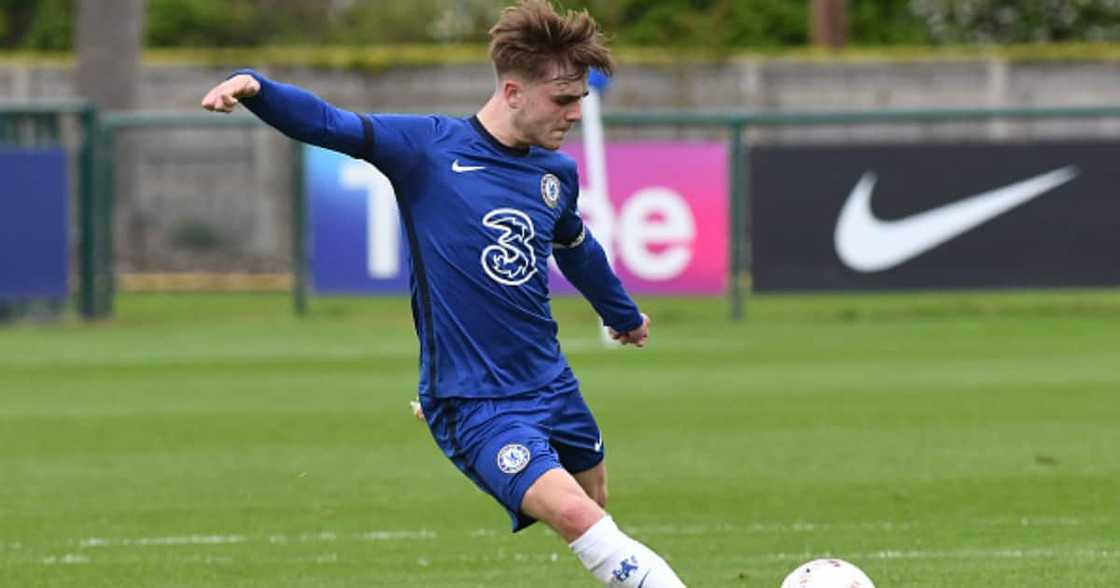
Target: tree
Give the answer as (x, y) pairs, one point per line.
(829, 22)
(1019, 21)
(108, 40)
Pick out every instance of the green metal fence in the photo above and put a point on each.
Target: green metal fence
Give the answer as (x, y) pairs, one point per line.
(738, 124)
(113, 123)
(73, 126)
(97, 167)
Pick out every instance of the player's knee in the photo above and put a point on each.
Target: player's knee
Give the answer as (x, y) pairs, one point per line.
(576, 514)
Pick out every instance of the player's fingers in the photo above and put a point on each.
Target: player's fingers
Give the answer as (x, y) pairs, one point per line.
(216, 105)
(638, 337)
(213, 99)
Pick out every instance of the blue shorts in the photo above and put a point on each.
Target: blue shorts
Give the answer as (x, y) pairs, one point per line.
(504, 444)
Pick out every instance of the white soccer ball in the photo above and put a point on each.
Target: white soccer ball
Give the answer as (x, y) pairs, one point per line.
(827, 573)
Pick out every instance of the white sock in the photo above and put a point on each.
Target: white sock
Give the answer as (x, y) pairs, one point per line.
(617, 560)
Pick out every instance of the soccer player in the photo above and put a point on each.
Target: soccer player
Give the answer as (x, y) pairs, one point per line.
(484, 201)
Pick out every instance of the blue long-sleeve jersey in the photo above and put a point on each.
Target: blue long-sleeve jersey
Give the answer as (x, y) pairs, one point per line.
(481, 220)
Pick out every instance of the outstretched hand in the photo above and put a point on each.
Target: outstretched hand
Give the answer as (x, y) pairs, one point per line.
(417, 410)
(636, 337)
(225, 96)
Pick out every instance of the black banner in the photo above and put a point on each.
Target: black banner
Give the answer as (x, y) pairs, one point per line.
(935, 216)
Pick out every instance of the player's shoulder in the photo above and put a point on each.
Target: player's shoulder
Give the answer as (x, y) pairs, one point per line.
(451, 129)
(420, 131)
(557, 159)
(432, 122)
(562, 170)
(561, 163)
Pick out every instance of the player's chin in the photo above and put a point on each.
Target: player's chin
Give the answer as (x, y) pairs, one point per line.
(554, 139)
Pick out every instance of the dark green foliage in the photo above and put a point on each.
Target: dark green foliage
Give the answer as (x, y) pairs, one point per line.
(885, 22)
(178, 23)
(45, 25)
(706, 24)
(1019, 21)
(738, 23)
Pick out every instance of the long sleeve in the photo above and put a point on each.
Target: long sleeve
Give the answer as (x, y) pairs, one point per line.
(586, 267)
(305, 117)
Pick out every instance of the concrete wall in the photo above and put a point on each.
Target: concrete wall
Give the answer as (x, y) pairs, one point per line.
(219, 200)
(775, 84)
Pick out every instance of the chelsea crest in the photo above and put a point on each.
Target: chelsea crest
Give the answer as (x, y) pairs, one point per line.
(513, 458)
(550, 190)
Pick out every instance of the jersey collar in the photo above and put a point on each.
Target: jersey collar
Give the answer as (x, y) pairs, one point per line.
(516, 152)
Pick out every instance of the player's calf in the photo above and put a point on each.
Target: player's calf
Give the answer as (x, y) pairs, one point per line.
(594, 483)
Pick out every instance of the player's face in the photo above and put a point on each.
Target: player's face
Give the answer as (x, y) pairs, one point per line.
(551, 107)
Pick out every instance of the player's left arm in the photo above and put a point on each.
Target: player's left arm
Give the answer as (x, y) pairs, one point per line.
(582, 260)
(293, 111)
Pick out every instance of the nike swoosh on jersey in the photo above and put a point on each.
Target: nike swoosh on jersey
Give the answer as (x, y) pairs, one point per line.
(868, 244)
(457, 168)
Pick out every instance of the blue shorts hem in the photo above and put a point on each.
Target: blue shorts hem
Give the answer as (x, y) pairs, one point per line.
(579, 468)
(519, 519)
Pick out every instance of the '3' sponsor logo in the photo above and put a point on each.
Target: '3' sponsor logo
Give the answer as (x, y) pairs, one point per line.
(510, 261)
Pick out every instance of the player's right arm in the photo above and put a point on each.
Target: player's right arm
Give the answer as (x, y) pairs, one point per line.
(293, 111)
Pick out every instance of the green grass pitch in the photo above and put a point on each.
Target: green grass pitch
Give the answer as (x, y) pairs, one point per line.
(935, 440)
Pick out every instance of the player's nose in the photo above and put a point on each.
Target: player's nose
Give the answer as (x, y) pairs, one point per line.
(575, 113)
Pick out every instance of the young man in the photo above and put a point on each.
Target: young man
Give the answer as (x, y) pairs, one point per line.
(484, 202)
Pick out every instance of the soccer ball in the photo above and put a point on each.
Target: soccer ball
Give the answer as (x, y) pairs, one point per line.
(827, 573)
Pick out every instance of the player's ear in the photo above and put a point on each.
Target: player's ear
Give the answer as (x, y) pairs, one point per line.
(514, 93)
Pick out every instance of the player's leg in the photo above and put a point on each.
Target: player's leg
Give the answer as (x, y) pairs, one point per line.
(557, 500)
(615, 559)
(502, 446)
(576, 437)
(566, 502)
(594, 483)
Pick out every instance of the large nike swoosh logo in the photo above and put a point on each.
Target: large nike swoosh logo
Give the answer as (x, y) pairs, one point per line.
(867, 244)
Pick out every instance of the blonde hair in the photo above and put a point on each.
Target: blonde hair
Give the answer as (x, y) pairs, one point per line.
(531, 36)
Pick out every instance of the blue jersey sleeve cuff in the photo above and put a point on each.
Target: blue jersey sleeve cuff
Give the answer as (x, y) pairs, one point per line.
(630, 325)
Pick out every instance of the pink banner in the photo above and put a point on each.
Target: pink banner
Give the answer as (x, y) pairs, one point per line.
(664, 221)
